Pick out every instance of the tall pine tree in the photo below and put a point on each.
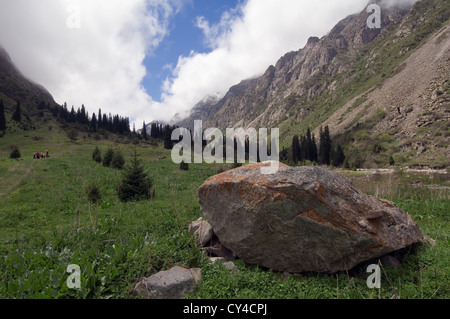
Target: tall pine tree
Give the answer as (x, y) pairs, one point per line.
(296, 151)
(2, 117)
(325, 146)
(93, 125)
(314, 152)
(17, 115)
(167, 137)
(337, 156)
(100, 118)
(144, 131)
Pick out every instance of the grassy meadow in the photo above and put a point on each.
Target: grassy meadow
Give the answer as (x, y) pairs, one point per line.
(47, 223)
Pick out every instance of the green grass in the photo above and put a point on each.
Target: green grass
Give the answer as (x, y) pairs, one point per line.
(47, 223)
(46, 220)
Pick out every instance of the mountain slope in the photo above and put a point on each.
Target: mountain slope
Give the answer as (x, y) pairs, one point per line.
(330, 79)
(16, 87)
(293, 77)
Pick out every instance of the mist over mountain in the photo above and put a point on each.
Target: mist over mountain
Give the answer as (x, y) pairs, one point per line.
(14, 86)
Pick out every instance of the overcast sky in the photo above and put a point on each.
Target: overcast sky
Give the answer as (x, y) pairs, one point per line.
(151, 59)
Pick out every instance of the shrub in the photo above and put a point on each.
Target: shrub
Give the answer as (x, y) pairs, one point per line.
(15, 153)
(346, 164)
(377, 148)
(184, 166)
(380, 114)
(135, 140)
(93, 193)
(97, 155)
(135, 184)
(72, 134)
(117, 160)
(386, 138)
(108, 157)
(391, 161)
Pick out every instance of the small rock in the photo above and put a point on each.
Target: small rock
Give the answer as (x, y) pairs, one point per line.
(194, 226)
(228, 264)
(170, 284)
(203, 230)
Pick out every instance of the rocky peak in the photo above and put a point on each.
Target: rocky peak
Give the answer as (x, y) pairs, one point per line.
(263, 101)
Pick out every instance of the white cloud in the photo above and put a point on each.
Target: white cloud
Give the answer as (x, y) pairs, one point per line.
(245, 42)
(99, 64)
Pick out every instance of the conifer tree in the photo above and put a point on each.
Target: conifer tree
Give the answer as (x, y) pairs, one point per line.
(15, 153)
(167, 136)
(72, 116)
(338, 156)
(391, 161)
(93, 124)
(2, 117)
(144, 131)
(135, 184)
(108, 157)
(325, 146)
(314, 152)
(83, 115)
(117, 160)
(296, 151)
(97, 155)
(100, 118)
(17, 116)
(306, 146)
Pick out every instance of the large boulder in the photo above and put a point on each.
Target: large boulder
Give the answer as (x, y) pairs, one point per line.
(302, 219)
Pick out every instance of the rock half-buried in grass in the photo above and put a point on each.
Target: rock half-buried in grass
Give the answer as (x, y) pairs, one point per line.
(302, 219)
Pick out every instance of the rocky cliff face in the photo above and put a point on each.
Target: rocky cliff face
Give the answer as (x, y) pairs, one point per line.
(263, 101)
(385, 89)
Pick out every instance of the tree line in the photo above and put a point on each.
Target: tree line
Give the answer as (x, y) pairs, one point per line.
(305, 148)
(158, 131)
(96, 122)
